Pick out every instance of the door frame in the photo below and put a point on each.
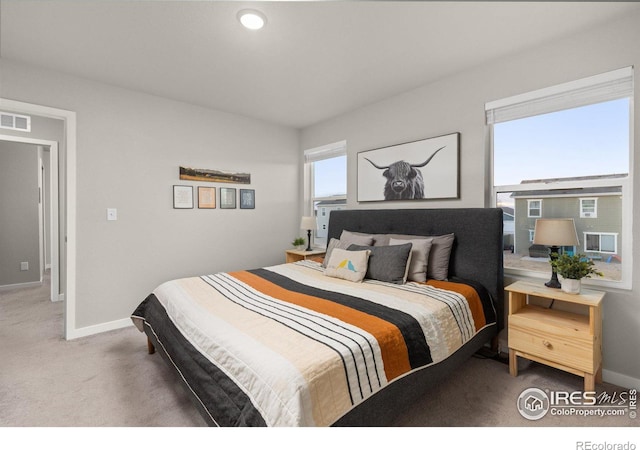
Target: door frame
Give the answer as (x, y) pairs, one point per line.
(66, 239)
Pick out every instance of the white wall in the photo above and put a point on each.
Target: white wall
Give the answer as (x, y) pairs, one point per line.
(456, 104)
(129, 148)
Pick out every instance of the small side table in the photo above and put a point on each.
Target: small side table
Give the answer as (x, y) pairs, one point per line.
(299, 255)
(564, 340)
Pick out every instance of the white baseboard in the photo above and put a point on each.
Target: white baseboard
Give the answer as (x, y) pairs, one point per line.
(621, 380)
(99, 328)
(7, 287)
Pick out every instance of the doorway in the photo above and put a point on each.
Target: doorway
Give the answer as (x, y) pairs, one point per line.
(50, 197)
(63, 204)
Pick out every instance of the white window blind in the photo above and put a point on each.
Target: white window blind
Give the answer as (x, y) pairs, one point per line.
(599, 88)
(325, 152)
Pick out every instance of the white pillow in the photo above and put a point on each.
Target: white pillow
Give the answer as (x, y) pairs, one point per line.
(419, 261)
(348, 265)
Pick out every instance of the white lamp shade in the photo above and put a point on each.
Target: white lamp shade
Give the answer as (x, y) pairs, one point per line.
(308, 223)
(555, 232)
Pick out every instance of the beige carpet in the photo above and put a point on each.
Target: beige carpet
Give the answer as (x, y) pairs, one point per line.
(109, 380)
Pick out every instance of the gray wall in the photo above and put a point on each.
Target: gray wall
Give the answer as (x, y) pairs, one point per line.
(456, 104)
(19, 213)
(129, 148)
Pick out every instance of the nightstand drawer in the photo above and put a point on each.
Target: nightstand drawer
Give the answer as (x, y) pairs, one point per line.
(571, 349)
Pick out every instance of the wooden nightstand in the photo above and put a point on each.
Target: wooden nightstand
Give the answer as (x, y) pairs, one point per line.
(299, 255)
(564, 340)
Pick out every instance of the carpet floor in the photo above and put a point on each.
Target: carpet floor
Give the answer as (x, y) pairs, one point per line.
(109, 380)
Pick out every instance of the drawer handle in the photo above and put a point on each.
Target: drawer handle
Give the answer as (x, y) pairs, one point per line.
(546, 343)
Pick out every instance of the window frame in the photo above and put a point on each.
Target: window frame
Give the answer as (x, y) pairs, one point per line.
(311, 156)
(625, 183)
(539, 208)
(583, 213)
(600, 234)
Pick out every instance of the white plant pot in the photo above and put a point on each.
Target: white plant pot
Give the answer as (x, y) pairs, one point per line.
(571, 286)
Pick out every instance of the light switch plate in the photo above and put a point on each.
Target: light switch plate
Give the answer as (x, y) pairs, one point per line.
(112, 214)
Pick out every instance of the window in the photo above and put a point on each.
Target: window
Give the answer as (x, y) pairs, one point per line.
(535, 208)
(325, 174)
(601, 242)
(589, 208)
(567, 147)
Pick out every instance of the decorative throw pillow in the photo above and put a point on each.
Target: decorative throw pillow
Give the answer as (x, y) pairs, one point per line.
(419, 257)
(439, 255)
(347, 265)
(351, 237)
(333, 244)
(389, 263)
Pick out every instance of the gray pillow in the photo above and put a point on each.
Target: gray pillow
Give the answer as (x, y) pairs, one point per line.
(351, 237)
(389, 263)
(439, 255)
(419, 257)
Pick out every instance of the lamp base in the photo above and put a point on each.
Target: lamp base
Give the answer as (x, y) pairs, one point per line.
(308, 249)
(553, 282)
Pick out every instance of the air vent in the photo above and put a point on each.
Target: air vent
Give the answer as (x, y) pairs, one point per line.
(15, 122)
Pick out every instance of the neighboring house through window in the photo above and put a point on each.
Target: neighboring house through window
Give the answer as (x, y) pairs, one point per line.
(565, 152)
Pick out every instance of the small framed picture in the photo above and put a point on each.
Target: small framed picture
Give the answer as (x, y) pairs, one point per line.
(247, 198)
(206, 197)
(182, 197)
(228, 198)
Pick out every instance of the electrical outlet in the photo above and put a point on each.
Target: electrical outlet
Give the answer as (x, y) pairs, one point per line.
(24, 266)
(112, 214)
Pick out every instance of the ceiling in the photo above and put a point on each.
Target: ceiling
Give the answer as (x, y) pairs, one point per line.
(313, 60)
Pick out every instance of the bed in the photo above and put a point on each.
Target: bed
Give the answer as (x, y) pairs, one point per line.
(306, 344)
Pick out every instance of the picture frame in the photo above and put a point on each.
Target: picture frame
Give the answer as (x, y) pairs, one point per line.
(182, 197)
(427, 169)
(206, 197)
(247, 198)
(214, 175)
(227, 198)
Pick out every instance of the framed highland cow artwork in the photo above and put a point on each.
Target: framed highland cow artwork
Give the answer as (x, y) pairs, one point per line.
(427, 169)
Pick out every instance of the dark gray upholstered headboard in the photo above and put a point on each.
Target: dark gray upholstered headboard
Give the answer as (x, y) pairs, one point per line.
(477, 250)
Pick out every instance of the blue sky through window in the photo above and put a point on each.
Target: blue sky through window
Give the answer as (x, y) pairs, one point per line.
(330, 177)
(590, 140)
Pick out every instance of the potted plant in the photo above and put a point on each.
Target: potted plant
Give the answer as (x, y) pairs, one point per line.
(573, 268)
(299, 243)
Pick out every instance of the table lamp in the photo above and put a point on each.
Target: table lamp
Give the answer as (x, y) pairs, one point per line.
(555, 233)
(308, 223)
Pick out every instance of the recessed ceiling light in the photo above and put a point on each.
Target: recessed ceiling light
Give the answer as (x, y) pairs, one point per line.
(252, 19)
